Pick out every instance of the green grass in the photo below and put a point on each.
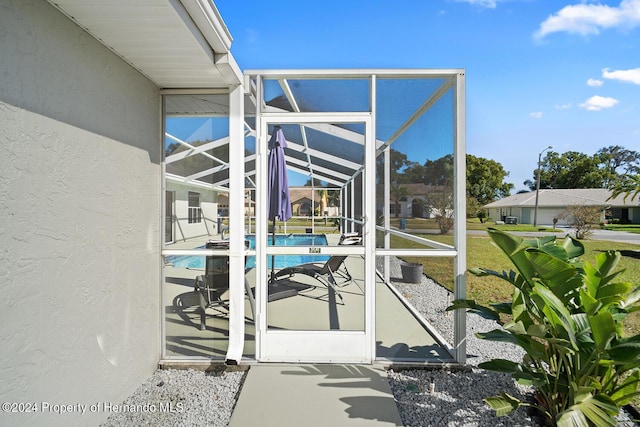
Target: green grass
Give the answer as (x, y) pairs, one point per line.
(482, 253)
(629, 228)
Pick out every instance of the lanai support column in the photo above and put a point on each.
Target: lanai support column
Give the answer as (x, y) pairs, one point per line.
(460, 207)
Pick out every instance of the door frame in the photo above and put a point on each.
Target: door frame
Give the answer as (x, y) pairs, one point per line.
(304, 345)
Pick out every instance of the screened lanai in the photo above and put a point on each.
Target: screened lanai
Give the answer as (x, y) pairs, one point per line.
(384, 149)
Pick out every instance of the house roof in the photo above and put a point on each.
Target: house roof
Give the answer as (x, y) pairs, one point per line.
(176, 44)
(562, 198)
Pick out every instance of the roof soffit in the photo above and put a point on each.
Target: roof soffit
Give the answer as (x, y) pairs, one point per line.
(175, 43)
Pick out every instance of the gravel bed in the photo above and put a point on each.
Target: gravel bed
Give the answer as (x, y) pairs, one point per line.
(457, 397)
(425, 397)
(176, 397)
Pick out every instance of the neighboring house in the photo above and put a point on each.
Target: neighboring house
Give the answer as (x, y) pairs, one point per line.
(302, 198)
(415, 204)
(301, 202)
(552, 203)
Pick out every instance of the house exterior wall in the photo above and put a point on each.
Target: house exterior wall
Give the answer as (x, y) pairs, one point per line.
(209, 205)
(80, 205)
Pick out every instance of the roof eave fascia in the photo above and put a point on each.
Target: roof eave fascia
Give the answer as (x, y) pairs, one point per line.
(210, 24)
(229, 68)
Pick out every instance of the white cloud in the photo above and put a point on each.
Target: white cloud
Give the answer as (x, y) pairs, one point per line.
(489, 4)
(536, 115)
(597, 103)
(587, 19)
(594, 83)
(630, 76)
(563, 106)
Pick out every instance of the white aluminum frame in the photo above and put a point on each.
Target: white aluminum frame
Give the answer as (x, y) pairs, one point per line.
(314, 346)
(455, 80)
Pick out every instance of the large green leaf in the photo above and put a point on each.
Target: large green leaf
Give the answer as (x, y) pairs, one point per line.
(519, 310)
(473, 307)
(500, 365)
(484, 272)
(511, 246)
(627, 389)
(607, 261)
(503, 404)
(574, 248)
(598, 409)
(612, 293)
(557, 314)
(602, 273)
(603, 329)
(625, 350)
(549, 267)
(539, 242)
(502, 307)
(508, 243)
(583, 331)
(632, 299)
(589, 303)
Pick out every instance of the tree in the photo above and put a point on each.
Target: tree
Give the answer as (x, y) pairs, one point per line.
(485, 177)
(569, 170)
(397, 167)
(579, 170)
(439, 172)
(617, 161)
(441, 202)
(474, 209)
(485, 180)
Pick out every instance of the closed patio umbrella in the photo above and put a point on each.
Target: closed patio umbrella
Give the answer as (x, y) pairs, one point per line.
(278, 185)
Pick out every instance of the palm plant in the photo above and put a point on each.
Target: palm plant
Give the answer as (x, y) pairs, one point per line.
(567, 316)
(629, 185)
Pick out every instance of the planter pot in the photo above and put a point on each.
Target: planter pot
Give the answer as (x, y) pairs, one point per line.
(411, 272)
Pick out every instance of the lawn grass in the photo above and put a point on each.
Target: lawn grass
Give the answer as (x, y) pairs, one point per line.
(482, 253)
(629, 228)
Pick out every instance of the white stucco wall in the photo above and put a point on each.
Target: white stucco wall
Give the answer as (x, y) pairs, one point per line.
(80, 218)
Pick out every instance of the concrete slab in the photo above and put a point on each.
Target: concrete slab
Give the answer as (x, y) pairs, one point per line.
(315, 395)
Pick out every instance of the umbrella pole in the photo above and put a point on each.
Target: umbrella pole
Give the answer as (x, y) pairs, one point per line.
(273, 243)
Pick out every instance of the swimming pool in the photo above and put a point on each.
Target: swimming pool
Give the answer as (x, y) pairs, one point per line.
(281, 261)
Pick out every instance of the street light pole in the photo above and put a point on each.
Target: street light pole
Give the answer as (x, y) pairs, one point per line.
(535, 212)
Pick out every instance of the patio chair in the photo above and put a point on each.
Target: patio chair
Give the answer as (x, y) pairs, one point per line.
(331, 274)
(215, 282)
(351, 238)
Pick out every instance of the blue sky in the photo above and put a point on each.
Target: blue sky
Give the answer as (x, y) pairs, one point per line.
(539, 72)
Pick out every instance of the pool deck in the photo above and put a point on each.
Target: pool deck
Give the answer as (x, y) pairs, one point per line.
(401, 335)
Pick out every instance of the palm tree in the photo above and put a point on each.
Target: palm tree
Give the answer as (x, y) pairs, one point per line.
(629, 185)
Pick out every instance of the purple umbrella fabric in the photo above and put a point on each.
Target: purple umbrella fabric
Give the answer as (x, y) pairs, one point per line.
(278, 188)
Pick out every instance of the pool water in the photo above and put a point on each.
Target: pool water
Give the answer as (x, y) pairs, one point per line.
(280, 261)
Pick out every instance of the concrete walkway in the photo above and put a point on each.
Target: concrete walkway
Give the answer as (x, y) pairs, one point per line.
(315, 395)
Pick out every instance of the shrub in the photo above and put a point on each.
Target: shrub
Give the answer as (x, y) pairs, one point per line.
(582, 218)
(567, 317)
